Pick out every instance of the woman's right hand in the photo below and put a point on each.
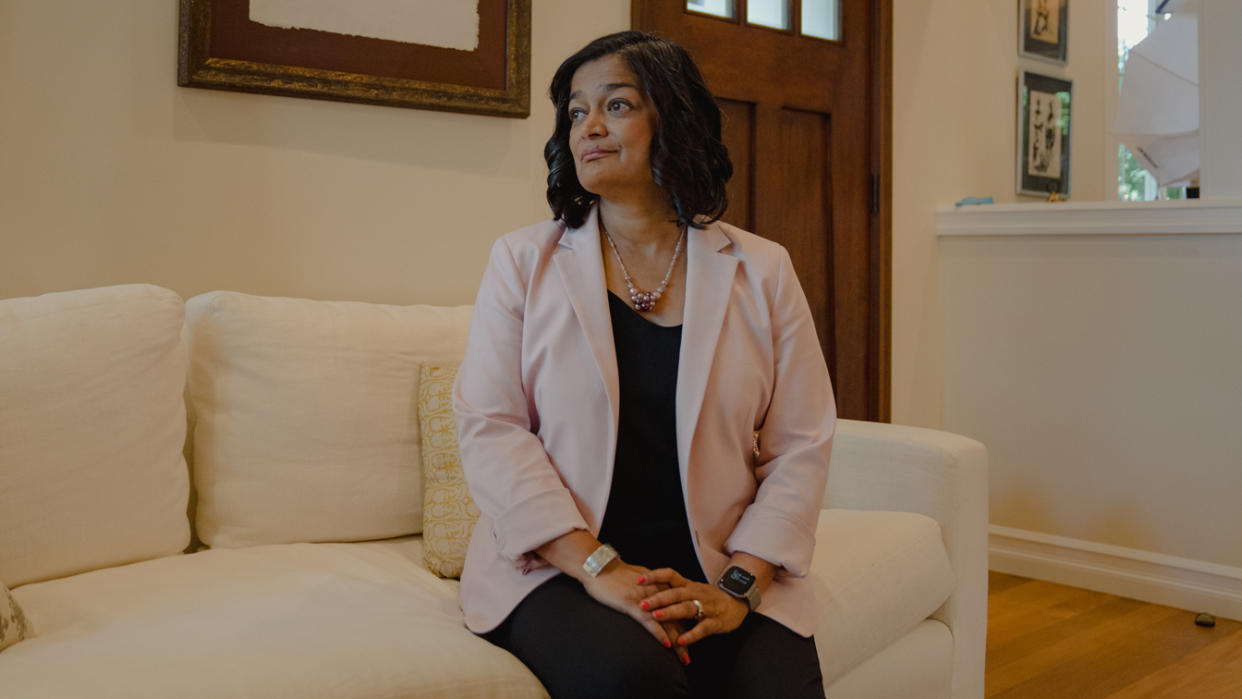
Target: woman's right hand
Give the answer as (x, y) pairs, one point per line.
(616, 587)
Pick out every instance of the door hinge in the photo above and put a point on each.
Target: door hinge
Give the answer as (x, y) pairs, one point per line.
(873, 201)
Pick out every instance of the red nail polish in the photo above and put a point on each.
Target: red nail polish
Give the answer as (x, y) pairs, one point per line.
(642, 579)
(681, 642)
(668, 643)
(685, 660)
(645, 604)
(659, 614)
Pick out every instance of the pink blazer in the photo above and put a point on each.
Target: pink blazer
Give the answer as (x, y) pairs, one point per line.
(537, 403)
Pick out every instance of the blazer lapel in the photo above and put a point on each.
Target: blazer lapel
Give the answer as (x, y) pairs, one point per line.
(709, 276)
(579, 262)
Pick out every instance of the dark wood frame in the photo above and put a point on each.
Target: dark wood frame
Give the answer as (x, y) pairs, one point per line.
(1030, 47)
(882, 218)
(1036, 185)
(420, 88)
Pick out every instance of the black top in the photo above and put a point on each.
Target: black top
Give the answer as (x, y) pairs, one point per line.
(646, 515)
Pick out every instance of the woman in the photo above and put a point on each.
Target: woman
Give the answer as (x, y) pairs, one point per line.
(634, 541)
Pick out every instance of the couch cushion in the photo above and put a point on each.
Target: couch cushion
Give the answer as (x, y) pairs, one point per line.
(92, 422)
(919, 664)
(877, 575)
(449, 513)
(293, 620)
(305, 420)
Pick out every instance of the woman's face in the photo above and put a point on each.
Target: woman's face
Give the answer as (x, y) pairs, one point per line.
(611, 126)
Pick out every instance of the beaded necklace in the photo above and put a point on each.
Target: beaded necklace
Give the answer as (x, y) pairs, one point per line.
(644, 301)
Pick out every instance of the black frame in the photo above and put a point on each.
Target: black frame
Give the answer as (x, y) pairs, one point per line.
(1030, 182)
(1031, 46)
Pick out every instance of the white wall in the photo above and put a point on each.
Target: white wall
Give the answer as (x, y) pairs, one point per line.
(1220, 97)
(1095, 349)
(955, 67)
(110, 173)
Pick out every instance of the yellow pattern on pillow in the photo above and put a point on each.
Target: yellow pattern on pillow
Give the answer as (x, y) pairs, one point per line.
(13, 624)
(449, 513)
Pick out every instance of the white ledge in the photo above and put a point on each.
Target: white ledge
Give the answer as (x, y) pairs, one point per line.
(1181, 217)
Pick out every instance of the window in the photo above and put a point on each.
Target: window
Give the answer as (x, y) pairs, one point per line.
(819, 18)
(1135, 20)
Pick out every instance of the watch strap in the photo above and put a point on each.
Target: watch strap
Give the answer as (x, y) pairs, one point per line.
(599, 558)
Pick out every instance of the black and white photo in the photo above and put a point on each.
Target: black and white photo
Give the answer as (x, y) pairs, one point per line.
(1043, 134)
(1043, 29)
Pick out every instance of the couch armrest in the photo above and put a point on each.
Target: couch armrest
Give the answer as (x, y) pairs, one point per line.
(878, 466)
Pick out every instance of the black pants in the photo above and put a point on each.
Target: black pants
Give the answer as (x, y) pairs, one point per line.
(577, 647)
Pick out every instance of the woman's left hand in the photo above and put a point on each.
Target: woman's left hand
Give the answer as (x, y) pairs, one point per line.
(722, 612)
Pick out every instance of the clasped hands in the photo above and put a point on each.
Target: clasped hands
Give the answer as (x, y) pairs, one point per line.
(660, 600)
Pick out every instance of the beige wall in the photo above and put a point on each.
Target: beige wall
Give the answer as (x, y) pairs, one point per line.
(110, 173)
(955, 67)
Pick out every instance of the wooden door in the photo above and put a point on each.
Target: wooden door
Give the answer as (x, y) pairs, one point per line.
(807, 123)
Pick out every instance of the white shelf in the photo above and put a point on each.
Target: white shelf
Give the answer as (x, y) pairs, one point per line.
(1179, 217)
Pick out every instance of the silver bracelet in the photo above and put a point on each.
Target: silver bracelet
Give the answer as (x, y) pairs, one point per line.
(599, 558)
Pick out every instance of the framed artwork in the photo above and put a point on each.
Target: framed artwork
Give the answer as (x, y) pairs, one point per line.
(1044, 111)
(451, 55)
(1042, 29)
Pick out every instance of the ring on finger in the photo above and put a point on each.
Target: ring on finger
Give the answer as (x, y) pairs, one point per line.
(698, 607)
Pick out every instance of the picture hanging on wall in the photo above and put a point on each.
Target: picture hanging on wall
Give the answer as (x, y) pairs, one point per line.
(450, 55)
(1043, 26)
(1044, 111)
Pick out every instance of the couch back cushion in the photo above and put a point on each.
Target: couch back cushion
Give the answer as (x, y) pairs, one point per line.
(305, 416)
(92, 423)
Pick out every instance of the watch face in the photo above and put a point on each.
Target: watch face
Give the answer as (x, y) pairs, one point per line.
(737, 581)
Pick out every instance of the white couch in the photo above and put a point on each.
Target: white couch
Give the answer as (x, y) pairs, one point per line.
(306, 512)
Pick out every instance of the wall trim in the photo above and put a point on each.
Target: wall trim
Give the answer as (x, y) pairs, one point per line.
(1184, 583)
(1196, 216)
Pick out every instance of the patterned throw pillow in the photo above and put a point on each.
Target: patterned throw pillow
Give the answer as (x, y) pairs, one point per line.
(13, 624)
(449, 513)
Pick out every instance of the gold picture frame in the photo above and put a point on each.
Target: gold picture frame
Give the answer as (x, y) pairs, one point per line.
(221, 47)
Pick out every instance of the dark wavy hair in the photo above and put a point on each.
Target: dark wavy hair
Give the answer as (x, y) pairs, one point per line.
(688, 159)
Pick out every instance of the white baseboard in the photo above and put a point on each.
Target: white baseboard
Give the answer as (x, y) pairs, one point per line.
(1184, 583)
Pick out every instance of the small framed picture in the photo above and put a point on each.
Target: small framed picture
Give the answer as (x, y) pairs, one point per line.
(1042, 29)
(1044, 111)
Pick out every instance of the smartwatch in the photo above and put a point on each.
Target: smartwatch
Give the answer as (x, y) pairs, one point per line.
(741, 585)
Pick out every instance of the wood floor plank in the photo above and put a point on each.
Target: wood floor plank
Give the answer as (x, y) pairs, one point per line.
(1038, 666)
(1088, 624)
(1097, 671)
(1051, 641)
(1212, 672)
(999, 582)
(1010, 625)
(1018, 600)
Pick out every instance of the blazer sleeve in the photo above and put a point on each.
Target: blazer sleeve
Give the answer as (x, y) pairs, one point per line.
(795, 439)
(507, 469)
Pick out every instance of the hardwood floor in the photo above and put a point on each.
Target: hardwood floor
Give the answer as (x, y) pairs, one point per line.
(1052, 641)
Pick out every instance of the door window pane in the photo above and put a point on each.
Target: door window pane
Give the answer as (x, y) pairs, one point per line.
(822, 18)
(768, 13)
(720, 8)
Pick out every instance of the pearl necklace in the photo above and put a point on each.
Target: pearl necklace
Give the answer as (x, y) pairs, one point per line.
(646, 300)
